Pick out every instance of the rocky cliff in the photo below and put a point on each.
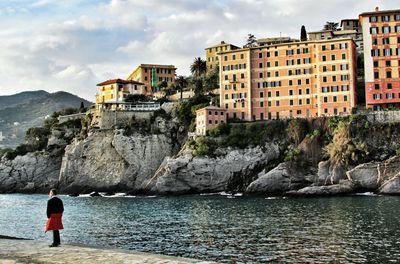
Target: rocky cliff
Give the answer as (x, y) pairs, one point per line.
(110, 160)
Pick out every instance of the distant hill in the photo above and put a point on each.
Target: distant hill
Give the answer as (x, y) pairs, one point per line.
(28, 109)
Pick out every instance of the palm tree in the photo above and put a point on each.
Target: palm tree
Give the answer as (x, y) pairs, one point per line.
(198, 67)
(181, 82)
(331, 26)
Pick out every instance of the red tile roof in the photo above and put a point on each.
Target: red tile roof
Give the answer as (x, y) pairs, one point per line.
(119, 81)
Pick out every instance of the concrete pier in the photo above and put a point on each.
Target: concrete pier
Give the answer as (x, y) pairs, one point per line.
(13, 251)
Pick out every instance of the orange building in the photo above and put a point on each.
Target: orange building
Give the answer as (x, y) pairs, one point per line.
(152, 75)
(116, 90)
(284, 80)
(381, 35)
(209, 117)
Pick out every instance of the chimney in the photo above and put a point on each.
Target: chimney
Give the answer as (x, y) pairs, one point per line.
(377, 9)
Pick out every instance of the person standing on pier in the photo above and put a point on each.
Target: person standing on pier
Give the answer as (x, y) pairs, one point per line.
(55, 209)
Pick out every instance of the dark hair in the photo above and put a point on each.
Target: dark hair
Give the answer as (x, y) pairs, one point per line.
(54, 191)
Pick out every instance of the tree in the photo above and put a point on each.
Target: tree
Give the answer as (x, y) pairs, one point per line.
(251, 41)
(181, 82)
(303, 34)
(331, 26)
(198, 67)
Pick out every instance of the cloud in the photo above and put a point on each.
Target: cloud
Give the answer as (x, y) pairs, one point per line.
(73, 45)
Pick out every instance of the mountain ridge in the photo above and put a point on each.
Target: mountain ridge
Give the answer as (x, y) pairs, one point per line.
(21, 111)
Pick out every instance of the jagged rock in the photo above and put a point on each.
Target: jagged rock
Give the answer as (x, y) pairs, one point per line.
(33, 172)
(280, 179)
(391, 187)
(365, 176)
(344, 187)
(188, 174)
(330, 173)
(110, 161)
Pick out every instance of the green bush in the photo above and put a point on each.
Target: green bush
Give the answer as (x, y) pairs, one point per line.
(221, 129)
(202, 146)
(293, 154)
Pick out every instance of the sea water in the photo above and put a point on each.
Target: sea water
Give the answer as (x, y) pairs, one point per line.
(223, 228)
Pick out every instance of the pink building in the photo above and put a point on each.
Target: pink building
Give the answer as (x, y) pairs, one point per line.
(209, 117)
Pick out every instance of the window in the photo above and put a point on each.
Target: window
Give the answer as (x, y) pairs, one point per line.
(386, 30)
(333, 67)
(376, 75)
(376, 64)
(261, 104)
(276, 74)
(290, 102)
(289, 52)
(324, 58)
(387, 52)
(269, 94)
(277, 93)
(389, 86)
(276, 63)
(242, 85)
(374, 41)
(345, 98)
(376, 86)
(300, 101)
(325, 89)
(385, 18)
(290, 92)
(276, 53)
(299, 82)
(373, 30)
(242, 56)
(333, 78)
(388, 63)
(260, 55)
(261, 94)
(260, 75)
(209, 121)
(385, 41)
(324, 79)
(225, 58)
(390, 96)
(345, 88)
(277, 103)
(323, 47)
(373, 19)
(269, 103)
(333, 57)
(226, 97)
(343, 56)
(260, 65)
(268, 64)
(307, 91)
(325, 99)
(290, 82)
(226, 106)
(324, 68)
(335, 99)
(332, 46)
(375, 52)
(308, 101)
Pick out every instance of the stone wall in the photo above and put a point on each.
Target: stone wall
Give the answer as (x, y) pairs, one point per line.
(109, 119)
(382, 116)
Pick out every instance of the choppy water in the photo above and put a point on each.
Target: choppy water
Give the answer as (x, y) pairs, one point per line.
(240, 230)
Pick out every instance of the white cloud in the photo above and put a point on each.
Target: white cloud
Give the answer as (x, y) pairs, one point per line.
(72, 45)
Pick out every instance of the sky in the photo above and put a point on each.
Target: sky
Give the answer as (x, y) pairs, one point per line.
(71, 45)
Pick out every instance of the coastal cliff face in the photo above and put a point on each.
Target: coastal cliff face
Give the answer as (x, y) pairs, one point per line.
(111, 161)
(31, 173)
(231, 170)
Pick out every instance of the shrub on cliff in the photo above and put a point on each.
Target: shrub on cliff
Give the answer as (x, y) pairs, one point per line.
(186, 110)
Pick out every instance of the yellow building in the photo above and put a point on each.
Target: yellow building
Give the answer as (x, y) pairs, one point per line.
(151, 75)
(211, 54)
(116, 90)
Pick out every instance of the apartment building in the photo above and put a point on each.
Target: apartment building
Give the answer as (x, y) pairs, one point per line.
(209, 117)
(349, 28)
(285, 80)
(381, 36)
(116, 90)
(211, 54)
(152, 75)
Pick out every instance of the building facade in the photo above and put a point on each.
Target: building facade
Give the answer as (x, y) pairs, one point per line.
(212, 57)
(151, 75)
(285, 80)
(209, 117)
(116, 90)
(381, 36)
